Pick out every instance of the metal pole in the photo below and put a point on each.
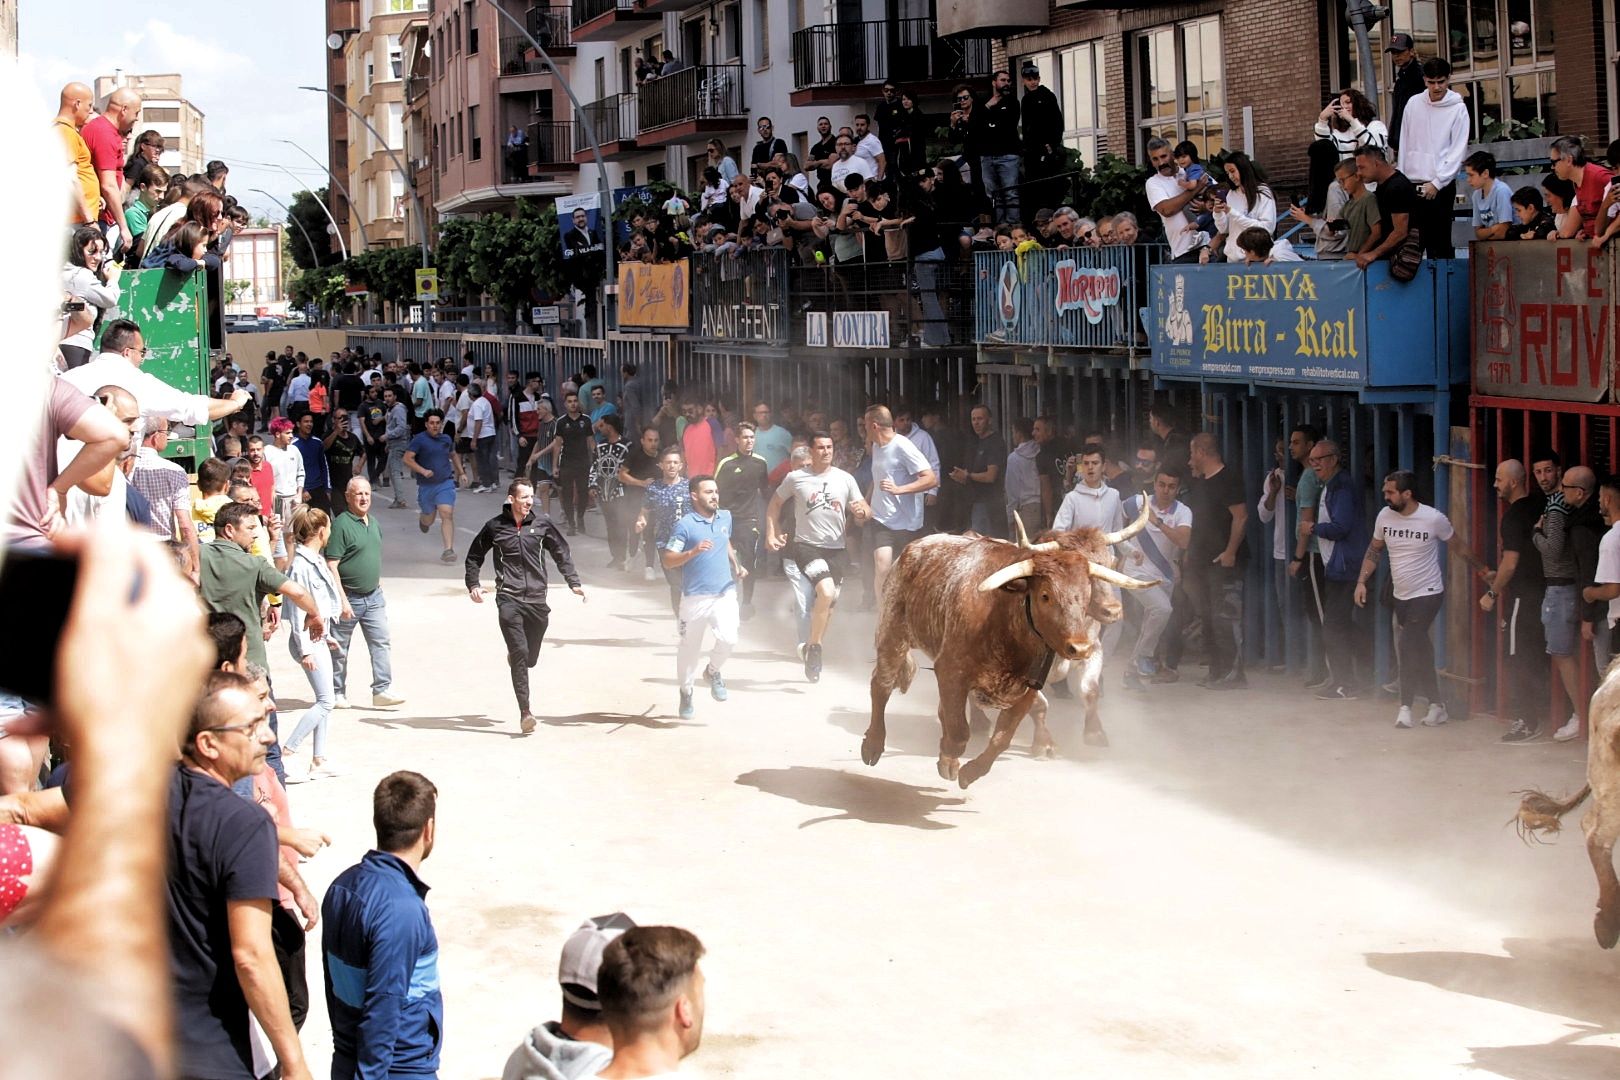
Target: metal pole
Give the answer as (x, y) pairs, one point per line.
(365, 241)
(289, 213)
(589, 127)
(421, 214)
(335, 230)
(1358, 12)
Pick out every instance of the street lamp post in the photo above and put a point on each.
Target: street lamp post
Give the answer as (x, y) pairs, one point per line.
(365, 241)
(316, 255)
(421, 214)
(307, 239)
(589, 127)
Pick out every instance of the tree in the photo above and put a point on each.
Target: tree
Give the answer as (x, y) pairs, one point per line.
(235, 288)
(306, 208)
(321, 286)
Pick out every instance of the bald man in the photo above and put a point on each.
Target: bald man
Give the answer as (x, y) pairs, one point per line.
(1516, 586)
(1568, 541)
(104, 135)
(72, 114)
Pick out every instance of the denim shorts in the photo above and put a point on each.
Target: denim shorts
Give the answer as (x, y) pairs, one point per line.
(1558, 619)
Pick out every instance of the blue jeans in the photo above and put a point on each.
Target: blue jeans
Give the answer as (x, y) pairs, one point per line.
(1560, 620)
(987, 518)
(371, 615)
(1001, 185)
(320, 681)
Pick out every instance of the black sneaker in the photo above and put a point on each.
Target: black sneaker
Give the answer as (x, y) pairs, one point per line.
(1521, 731)
(812, 663)
(1319, 682)
(1337, 693)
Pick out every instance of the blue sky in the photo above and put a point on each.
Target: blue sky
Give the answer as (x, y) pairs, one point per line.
(240, 64)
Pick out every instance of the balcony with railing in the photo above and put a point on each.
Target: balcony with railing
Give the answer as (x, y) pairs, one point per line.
(669, 5)
(691, 103)
(608, 20)
(416, 88)
(550, 26)
(767, 299)
(844, 61)
(614, 121)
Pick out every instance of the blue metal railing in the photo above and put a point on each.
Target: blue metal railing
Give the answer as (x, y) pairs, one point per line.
(1087, 298)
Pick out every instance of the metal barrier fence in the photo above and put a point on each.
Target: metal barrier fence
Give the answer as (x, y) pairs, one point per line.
(863, 53)
(1086, 298)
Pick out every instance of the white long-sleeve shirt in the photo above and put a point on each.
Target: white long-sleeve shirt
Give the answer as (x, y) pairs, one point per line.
(155, 397)
(101, 295)
(1277, 518)
(286, 470)
(1239, 215)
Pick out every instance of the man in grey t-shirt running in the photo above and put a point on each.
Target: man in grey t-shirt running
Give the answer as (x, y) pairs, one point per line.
(816, 561)
(901, 475)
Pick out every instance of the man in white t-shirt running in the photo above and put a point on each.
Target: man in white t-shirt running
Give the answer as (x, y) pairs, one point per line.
(816, 561)
(1154, 554)
(1413, 533)
(901, 475)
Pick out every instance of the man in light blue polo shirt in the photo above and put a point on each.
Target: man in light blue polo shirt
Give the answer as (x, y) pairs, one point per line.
(700, 547)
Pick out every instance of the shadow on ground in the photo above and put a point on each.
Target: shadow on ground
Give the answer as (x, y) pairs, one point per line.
(479, 724)
(618, 720)
(857, 798)
(916, 735)
(1553, 1061)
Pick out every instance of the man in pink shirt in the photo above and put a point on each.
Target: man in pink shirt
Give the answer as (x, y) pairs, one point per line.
(698, 442)
(104, 134)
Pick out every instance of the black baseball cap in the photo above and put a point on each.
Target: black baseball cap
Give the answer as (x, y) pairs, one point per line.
(1400, 43)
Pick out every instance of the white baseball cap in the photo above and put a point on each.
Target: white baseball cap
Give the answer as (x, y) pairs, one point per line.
(582, 957)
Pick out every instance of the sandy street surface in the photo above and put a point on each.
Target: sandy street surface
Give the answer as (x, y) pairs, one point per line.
(1251, 884)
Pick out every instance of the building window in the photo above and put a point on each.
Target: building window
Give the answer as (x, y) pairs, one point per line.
(395, 57)
(396, 7)
(762, 34)
(655, 173)
(599, 75)
(152, 115)
(477, 141)
(472, 27)
(1182, 87)
(369, 73)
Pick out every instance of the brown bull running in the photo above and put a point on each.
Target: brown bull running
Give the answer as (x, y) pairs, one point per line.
(993, 616)
(1541, 813)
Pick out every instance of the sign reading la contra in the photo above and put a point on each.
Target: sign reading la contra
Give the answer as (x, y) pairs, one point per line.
(1289, 322)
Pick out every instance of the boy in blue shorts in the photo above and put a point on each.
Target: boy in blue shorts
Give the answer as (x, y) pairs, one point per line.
(432, 456)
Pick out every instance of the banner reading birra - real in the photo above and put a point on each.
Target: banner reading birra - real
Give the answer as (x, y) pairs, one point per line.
(1300, 322)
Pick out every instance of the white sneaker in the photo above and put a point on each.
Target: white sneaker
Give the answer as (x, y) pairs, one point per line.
(297, 772)
(326, 768)
(648, 575)
(1571, 728)
(1436, 715)
(1403, 719)
(341, 702)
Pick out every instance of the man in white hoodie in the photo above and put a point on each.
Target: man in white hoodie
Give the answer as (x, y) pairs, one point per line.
(1092, 503)
(580, 1044)
(1434, 136)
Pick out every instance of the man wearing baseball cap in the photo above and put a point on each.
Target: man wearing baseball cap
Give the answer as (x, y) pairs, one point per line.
(1408, 81)
(578, 1045)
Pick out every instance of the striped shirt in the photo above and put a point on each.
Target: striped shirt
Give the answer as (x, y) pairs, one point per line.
(166, 486)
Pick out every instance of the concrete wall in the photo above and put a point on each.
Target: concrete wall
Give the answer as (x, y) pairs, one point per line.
(248, 349)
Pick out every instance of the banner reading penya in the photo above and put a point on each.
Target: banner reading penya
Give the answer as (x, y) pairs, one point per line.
(1285, 323)
(1543, 320)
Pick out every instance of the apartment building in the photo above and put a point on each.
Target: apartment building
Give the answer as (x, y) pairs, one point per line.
(164, 109)
(254, 257)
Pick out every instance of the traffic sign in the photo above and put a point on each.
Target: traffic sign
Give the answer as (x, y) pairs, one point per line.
(427, 283)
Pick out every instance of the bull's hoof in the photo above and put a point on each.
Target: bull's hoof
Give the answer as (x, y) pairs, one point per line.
(1096, 738)
(949, 768)
(871, 750)
(1607, 927)
(1043, 753)
(970, 772)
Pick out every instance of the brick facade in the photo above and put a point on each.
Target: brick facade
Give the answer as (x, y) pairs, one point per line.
(1578, 67)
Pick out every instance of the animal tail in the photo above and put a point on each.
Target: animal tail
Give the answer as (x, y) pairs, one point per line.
(1540, 813)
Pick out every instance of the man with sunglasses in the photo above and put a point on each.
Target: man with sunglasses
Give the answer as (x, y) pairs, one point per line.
(224, 866)
(123, 351)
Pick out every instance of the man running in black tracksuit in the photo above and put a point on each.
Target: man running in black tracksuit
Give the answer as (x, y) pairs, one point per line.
(743, 480)
(520, 539)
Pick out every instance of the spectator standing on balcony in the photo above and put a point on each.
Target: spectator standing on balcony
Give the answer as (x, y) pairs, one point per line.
(1396, 197)
(1492, 205)
(1408, 83)
(823, 153)
(517, 155)
(720, 160)
(1569, 163)
(1330, 227)
(1170, 202)
(1434, 137)
(912, 128)
(845, 164)
(768, 146)
(1249, 204)
(870, 147)
(104, 134)
(1517, 585)
(1531, 221)
(996, 125)
(1347, 123)
(1042, 137)
(146, 151)
(71, 116)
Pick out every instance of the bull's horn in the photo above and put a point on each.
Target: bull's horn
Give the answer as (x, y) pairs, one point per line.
(1133, 528)
(1114, 577)
(1017, 570)
(1023, 537)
